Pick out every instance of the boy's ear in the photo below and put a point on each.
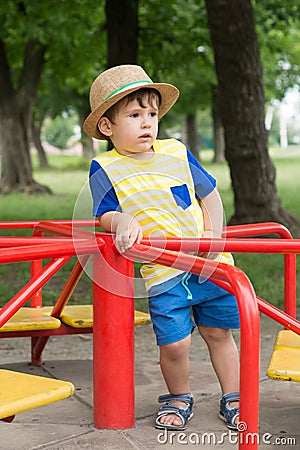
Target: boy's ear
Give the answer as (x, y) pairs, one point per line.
(104, 126)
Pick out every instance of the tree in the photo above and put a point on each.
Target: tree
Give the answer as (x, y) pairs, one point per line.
(122, 31)
(241, 101)
(174, 46)
(30, 39)
(277, 25)
(16, 108)
(59, 131)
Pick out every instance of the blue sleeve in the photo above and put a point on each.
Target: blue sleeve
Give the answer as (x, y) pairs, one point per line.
(204, 183)
(103, 192)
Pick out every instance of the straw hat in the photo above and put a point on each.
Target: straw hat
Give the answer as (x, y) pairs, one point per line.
(114, 84)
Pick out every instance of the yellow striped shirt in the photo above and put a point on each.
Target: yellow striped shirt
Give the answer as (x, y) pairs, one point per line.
(161, 193)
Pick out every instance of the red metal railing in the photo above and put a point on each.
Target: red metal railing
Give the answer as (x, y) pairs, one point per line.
(113, 312)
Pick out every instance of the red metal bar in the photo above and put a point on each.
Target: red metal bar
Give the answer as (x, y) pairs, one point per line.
(17, 241)
(35, 267)
(54, 250)
(70, 285)
(289, 322)
(249, 317)
(235, 245)
(38, 344)
(290, 293)
(32, 223)
(269, 310)
(113, 336)
(287, 246)
(30, 288)
(255, 229)
(65, 230)
(37, 299)
(289, 259)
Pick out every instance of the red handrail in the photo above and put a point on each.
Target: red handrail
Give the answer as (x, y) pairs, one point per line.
(30, 288)
(117, 270)
(249, 317)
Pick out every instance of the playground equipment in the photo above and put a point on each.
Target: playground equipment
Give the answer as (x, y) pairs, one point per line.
(61, 240)
(20, 392)
(285, 361)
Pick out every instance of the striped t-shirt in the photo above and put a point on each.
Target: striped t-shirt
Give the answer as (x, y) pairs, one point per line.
(161, 193)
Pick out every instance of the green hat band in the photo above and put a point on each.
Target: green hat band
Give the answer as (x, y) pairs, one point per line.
(128, 86)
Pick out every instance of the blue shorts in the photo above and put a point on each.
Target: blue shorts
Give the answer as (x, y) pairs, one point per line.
(171, 302)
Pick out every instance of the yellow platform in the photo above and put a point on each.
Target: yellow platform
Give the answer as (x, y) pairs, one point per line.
(20, 392)
(141, 318)
(285, 360)
(287, 338)
(81, 316)
(27, 319)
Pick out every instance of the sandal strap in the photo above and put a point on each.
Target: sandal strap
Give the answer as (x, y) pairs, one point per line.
(231, 397)
(186, 398)
(226, 411)
(183, 413)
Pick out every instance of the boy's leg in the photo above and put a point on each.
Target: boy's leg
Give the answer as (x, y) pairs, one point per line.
(224, 357)
(175, 367)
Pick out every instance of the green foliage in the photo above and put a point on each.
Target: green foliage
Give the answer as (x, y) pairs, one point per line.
(59, 131)
(175, 47)
(72, 32)
(279, 37)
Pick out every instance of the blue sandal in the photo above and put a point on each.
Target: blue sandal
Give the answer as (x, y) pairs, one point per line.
(227, 413)
(185, 414)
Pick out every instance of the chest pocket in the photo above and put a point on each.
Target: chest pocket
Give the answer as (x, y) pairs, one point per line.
(181, 196)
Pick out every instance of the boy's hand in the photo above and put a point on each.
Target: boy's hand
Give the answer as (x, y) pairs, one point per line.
(128, 231)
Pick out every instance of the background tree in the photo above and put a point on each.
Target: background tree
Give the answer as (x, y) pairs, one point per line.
(174, 46)
(30, 37)
(122, 31)
(277, 25)
(241, 94)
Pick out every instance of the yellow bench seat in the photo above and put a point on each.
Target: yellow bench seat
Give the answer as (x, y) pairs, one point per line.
(81, 316)
(287, 339)
(28, 319)
(20, 392)
(285, 360)
(76, 316)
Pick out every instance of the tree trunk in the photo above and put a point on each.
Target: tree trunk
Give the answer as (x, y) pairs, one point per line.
(192, 135)
(88, 151)
(16, 108)
(218, 129)
(36, 138)
(239, 72)
(122, 31)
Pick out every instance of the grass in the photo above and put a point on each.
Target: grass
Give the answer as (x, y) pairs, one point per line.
(67, 178)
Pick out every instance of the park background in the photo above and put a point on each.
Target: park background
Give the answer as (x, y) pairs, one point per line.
(236, 64)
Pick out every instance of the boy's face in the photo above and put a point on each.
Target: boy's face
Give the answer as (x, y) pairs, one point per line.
(134, 129)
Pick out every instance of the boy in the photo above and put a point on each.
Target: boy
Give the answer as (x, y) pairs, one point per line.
(150, 187)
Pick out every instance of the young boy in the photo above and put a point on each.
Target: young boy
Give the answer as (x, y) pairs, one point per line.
(149, 187)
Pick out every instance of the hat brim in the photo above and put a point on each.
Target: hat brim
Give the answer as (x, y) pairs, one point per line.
(169, 95)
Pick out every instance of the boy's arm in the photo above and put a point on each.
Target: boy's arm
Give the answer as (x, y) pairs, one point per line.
(127, 229)
(212, 209)
(213, 214)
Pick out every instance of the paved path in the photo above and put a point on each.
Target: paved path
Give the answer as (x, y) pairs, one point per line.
(68, 424)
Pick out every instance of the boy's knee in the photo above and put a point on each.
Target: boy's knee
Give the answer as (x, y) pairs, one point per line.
(212, 334)
(176, 349)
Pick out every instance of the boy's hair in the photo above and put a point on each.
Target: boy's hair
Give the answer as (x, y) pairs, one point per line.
(144, 95)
